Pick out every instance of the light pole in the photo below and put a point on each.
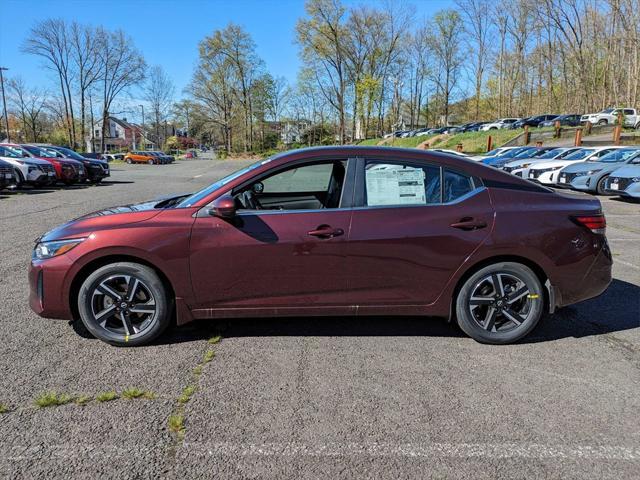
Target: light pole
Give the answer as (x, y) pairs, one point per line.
(142, 140)
(4, 103)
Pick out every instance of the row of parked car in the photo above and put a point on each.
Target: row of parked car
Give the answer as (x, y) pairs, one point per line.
(602, 170)
(43, 165)
(631, 118)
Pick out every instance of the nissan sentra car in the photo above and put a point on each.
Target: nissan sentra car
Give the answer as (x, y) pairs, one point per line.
(346, 231)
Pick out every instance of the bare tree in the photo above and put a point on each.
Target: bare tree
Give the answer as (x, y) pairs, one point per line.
(121, 67)
(49, 40)
(84, 44)
(445, 43)
(28, 105)
(159, 92)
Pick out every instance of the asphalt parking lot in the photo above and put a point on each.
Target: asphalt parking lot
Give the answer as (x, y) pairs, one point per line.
(311, 397)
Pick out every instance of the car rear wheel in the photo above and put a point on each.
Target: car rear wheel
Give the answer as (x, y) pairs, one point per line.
(600, 188)
(500, 303)
(602, 122)
(150, 162)
(124, 304)
(129, 161)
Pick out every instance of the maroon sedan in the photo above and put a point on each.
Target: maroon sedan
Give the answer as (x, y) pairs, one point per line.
(330, 231)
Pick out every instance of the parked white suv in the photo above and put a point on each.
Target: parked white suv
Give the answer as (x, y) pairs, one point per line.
(610, 116)
(499, 124)
(28, 170)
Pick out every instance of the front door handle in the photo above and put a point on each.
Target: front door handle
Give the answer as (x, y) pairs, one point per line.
(326, 231)
(468, 223)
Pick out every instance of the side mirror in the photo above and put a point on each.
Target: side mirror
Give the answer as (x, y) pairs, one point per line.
(224, 207)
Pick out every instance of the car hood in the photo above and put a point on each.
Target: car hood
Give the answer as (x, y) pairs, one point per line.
(586, 166)
(628, 171)
(109, 218)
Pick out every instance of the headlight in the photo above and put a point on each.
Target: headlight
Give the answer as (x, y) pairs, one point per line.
(591, 172)
(54, 248)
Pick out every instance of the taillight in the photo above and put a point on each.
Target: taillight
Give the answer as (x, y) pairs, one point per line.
(595, 223)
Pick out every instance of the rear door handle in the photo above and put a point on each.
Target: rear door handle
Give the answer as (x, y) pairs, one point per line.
(326, 231)
(468, 223)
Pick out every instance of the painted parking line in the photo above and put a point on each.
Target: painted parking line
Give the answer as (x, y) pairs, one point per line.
(536, 451)
(626, 263)
(456, 450)
(198, 176)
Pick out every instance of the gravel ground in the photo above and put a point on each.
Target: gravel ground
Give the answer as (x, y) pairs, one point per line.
(310, 397)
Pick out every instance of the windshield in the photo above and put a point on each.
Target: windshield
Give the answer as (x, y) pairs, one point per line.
(607, 110)
(551, 153)
(39, 152)
(524, 153)
(619, 155)
(67, 152)
(579, 154)
(196, 197)
(9, 152)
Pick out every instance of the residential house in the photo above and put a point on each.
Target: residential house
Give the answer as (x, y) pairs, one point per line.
(119, 135)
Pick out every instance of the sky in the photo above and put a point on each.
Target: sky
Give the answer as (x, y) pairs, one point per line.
(168, 32)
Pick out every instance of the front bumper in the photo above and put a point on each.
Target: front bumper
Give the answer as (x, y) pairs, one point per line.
(47, 296)
(96, 172)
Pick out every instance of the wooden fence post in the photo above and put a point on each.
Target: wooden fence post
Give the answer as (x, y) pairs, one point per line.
(459, 148)
(527, 135)
(489, 143)
(617, 131)
(558, 128)
(578, 139)
(588, 126)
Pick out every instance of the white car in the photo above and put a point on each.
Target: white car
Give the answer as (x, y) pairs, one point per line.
(499, 124)
(547, 172)
(609, 116)
(518, 166)
(28, 170)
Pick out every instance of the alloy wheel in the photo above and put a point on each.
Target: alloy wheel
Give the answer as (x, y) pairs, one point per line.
(123, 305)
(501, 302)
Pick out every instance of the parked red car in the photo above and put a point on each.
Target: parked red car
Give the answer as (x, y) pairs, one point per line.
(330, 231)
(68, 171)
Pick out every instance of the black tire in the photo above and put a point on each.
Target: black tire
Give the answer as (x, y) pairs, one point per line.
(600, 190)
(119, 325)
(602, 122)
(19, 178)
(128, 160)
(481, 323)
(150, 162)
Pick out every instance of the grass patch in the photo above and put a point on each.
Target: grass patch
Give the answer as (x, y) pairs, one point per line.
(52, 399)
(82, 400)
(176, 423)
(187, 393)
(408, 142)
(3, 408)
(214, 340)
(476, 142)
(208, 356)
(132, 392)
(106, 396)
(197, 371)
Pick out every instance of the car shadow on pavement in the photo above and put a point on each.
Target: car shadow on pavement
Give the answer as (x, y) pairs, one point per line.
(617, 309)
(613, 311)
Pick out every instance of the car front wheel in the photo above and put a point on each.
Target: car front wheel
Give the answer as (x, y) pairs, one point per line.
(124, 304)
(500, 303)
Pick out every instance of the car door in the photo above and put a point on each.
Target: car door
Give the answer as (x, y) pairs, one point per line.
(413, 226)
(284, 257)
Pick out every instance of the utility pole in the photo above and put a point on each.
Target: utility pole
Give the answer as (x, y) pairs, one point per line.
(143, 142)
(4, 103)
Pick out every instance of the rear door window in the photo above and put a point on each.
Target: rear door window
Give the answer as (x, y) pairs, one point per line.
(401, 184)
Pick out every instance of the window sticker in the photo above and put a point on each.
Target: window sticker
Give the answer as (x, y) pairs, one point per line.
(395, 185)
